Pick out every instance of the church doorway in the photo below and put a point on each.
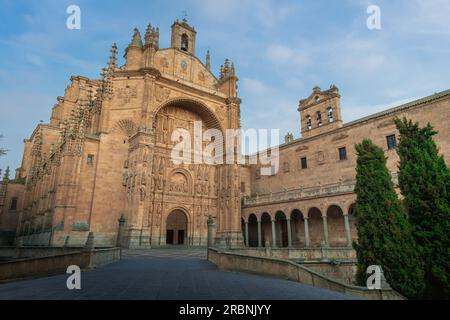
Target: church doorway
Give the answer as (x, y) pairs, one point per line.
(176, 228)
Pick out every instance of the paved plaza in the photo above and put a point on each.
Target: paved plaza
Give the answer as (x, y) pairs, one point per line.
(172, 274)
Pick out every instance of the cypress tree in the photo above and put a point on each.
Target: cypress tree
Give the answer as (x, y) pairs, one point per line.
(384, 232)
(424, 180)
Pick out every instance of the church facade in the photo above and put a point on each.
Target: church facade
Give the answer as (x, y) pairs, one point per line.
(103, 164)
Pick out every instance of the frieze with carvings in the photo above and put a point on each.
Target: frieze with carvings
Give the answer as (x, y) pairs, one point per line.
(162, 94)
(386, 123)
(341, 136)
(301, 148)
(126, 94)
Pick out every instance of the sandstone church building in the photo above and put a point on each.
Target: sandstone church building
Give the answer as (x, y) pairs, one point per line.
(102, 165)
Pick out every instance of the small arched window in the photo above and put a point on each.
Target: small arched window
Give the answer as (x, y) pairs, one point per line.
(13, 205)
(330, 115)
(184, 42)
(309, 122)
(319, 118)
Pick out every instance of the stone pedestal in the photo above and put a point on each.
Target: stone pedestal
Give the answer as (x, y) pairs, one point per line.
(133, 238)
(121, 232)
(211, 231)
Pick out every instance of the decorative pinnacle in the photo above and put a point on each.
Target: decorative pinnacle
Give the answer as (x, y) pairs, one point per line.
(137, 39)
(208, 60)
(112, 58)
(6, 176)
(152, 36)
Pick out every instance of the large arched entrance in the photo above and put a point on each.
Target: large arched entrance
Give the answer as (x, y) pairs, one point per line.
(176, 228)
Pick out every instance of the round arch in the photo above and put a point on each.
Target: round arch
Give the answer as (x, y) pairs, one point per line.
(186, 174)
(207, 115)
(298, 228)
(336, 227)
(266, 228)
(252, 230)
(281, 231)
(315, 221)
(177, 227)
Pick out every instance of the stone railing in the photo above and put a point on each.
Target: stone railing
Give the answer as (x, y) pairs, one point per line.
(52, 264)
(290, 270)
(305, 192)
(300, 193)
(301, 254)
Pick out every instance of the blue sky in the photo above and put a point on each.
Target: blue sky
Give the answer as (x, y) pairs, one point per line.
(282, 49)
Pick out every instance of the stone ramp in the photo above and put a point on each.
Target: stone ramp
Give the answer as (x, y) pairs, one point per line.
(170, 274)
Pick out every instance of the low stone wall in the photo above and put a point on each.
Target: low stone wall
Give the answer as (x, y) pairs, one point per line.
(12, 253)
(343, 271)
(299, 254)
(290, 270)
(56, 264)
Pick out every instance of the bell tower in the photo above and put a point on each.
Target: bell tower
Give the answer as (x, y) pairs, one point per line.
(183, 36)
(320, 112)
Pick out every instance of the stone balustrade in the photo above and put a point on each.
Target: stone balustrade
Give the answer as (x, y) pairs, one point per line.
(305, 192)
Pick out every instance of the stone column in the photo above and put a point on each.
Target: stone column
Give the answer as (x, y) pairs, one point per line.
(246, 234)
(325, 230)
(259, 234)
(274, 237)
(211, 227)
(289, 232)
(347, 230)
(121, 231)
(306, 232)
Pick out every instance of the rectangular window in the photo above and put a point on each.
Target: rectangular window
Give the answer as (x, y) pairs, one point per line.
(303, 163)
(13, 206)
(391, 142)
(342, 153)
(90, 160)
(273, 170)
(243, 187)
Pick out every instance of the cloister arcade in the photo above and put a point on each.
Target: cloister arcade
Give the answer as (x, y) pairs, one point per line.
(331, 226)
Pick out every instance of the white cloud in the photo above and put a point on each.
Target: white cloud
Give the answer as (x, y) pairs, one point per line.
(34, 60)
(280, 54)
(267, 13)
(256, 87)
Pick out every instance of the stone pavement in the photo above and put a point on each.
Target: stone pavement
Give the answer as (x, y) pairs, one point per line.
(172, 274)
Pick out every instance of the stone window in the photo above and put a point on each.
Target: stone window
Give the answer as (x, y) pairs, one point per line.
(303, 163)
(243, 187)
(90, 160)
(273, 170)
(330, 115)
(184, 42)
(342, 154)
(286, 167)
(13, 205)
(308, 122)
(391, 142)
(319, 119)
(258, 173)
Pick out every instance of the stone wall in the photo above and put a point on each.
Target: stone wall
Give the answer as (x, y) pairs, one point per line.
(292, 271)
(57, 264)
(304, 254)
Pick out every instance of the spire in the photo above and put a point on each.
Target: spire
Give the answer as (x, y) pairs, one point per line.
(208, 60)
(226, 70)
(112, 59)
(226, 67)
(221, 72)
(6, 176)
(137, 39)
(152, 36)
